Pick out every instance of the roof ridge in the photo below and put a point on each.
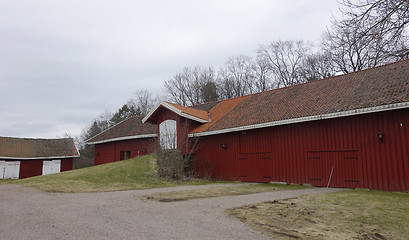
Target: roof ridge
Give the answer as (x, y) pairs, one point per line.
(358, 71)
(140, 115)
(205, 103)
(322, 79)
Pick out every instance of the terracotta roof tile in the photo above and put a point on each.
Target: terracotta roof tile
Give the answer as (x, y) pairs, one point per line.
(191, 111)
(205, 106)
(218, 111)
(378, 86)
(130, 127)
(37, 148)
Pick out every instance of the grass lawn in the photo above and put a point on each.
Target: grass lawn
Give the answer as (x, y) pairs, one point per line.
(351, 214)
(220, 191)
(136, 173)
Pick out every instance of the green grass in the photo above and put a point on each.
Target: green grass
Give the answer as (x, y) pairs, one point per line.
(220, 191)
(353, 214)
(136, 173)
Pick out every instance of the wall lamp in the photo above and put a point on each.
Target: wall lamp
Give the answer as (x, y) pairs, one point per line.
(224, 145)
(380, 136)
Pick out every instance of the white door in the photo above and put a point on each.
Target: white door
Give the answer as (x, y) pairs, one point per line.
(2, 166)
(53, 166)
(11, 170)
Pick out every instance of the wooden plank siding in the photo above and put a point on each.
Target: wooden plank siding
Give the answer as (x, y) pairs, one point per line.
(306, 151)
(111, 151)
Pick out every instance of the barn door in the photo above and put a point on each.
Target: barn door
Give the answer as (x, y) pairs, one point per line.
(50, 167)
(11, 169)
(255, 167)
(333, 168)
(346, 170)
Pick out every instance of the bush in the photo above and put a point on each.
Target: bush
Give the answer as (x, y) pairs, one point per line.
(172, 164)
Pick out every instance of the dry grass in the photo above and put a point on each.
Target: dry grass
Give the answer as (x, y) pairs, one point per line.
(219, 191)
(354, 214)
(132, 174)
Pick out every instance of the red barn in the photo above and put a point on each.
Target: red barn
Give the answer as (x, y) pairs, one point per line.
(23, 157)
(347, 131)
(128, 139)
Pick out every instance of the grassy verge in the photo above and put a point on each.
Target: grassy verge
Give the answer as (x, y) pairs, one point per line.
(354, 214)
(219, 191)
(137, 173)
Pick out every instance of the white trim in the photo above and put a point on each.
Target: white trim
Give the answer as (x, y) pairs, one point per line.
(38, 158)
(157, 105)
(185, 115)
(382, 108)
(123, 138)
(173, 109)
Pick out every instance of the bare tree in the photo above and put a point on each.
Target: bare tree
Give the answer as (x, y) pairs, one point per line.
(237, 77)
(262, 74)
(352, 51)
(317, 66)
(186, 87)
(224, 84)
(103, 120)
(387, 18)
(285, 60)
(142, 101)
(372, 32)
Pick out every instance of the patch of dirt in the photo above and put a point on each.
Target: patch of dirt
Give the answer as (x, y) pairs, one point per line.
(286, 219)
(354, 214)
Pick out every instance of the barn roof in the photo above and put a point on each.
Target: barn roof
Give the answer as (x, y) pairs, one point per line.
(376, 89)
(372, 90)
(131, 128)
(28, 148)
(187, 112)
(205, 106)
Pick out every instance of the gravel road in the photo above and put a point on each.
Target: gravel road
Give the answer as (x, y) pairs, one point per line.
(27, 213)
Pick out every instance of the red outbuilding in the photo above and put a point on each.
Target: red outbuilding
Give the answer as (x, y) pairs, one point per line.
(23, 157)
(127, 139)
(347, 131)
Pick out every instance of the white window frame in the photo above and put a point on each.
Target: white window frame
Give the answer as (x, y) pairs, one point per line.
(168, 134)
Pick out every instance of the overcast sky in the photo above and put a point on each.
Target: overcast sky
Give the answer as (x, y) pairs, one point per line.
(63, 63)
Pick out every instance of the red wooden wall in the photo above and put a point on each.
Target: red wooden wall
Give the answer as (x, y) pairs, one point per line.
(32, 168)
(308, 153)
(111, 151)
(183, 126)
(66, 164)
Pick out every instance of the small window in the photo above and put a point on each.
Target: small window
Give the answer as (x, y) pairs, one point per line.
(125, 155)
(168, 134)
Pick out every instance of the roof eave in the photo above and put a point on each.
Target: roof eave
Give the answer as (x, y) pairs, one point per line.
(388, 107)
(123, 138)
(173, 109)
(38, 158)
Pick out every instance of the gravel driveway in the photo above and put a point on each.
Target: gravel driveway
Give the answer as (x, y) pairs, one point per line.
(27, 213)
